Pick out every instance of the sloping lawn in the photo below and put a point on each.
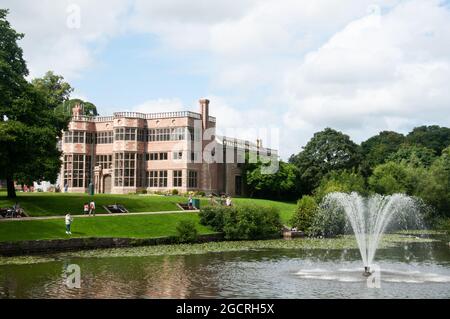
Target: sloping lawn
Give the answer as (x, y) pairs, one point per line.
(52, 204)
(286, 209)
(131, 226)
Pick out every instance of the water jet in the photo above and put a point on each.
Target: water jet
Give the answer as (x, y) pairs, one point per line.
(370, 217)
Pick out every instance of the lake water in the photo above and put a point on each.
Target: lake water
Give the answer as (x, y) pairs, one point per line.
(409, 271)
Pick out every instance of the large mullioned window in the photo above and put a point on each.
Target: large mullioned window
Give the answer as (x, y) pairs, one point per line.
(125, 169)
(192, 179)
(77, 170)
(157, 178)
(177, 178)
(74, 136)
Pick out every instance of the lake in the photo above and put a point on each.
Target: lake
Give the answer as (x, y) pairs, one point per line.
(412, 270)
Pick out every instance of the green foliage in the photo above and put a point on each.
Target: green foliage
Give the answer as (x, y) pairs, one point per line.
(89, 109)
(175, 192)
(394, 177)
(281, 185)
(340, 181)
(433, 137)
(187, 231)
(377, 149)
(329, 221)
(306, 212)
(328, 150)
(434, 187)
(243, 222)
(29, 125)
(414, 155)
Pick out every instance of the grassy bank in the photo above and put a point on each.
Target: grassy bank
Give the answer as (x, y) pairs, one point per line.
(52, 204)
(131, 226)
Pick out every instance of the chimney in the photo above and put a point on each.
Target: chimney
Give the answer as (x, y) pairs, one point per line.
(204, 110)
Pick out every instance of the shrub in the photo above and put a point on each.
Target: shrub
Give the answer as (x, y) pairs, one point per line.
(340, 181)
(143, 191)
(243, 222)
(329, 221)
(175, 192)
(201, 194)
(306, 212)
(186, 231)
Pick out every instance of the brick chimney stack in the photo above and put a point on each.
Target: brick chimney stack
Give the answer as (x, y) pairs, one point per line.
(204, 110)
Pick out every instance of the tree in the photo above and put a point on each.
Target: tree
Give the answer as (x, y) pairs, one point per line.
(377, 149)
(89, 109)
(53, 87)
(391, 177)
(281, 185)
(29, 125)
(434, 188)
(340, 181)
(328, 150)
(415, 155)
(434, 137)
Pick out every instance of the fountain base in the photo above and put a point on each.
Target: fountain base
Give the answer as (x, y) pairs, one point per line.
(367, 272)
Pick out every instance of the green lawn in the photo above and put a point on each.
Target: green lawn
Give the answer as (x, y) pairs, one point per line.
(52, 204)
(127, 226)
(148, 226)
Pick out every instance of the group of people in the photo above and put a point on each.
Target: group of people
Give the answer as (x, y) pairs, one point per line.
(88, 208)
(224, 201)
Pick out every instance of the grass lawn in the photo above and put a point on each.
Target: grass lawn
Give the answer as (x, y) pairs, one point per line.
(131, 226)
(52, 204)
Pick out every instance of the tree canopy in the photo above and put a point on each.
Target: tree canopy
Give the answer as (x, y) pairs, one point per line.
(433, 137)
(29, 125)
(328, 150)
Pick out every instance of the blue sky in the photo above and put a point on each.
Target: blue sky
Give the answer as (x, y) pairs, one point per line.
(359, 66)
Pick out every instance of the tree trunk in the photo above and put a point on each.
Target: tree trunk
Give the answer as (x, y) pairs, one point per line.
(10, 187)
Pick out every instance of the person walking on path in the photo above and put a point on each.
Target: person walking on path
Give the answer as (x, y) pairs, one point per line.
(92, 208)
(190, 202)
(69, 221)
(86, 208)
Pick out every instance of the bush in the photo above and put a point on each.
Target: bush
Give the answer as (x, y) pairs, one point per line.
(201, 194)
(329, 221)
(243, 222)
(143, 191)
(305, 213)
(175, 192)
(187, 231)
(340, 181)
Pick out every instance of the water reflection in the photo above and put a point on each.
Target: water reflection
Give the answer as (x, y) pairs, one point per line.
(246, 274)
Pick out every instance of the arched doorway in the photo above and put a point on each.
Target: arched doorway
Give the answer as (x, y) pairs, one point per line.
(107, 184)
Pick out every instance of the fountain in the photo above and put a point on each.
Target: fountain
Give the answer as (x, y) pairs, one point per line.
(370, 217)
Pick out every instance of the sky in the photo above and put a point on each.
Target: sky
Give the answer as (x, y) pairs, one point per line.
(289, 67)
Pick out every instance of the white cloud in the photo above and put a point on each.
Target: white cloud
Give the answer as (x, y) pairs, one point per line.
(160, 105)
(387, 71)
(49, 44)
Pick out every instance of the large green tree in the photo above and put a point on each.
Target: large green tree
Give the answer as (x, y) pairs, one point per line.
(415, 155)
(377, 149)
(434, 137)
(29, 125)
(328, 150)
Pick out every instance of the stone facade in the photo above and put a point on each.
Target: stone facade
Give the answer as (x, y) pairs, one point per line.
(130, 151)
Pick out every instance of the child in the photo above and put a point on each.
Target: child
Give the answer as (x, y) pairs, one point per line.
(86, 208)
(69, 221)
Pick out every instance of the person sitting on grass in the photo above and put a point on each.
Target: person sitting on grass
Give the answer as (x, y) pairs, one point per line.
(69, 221)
